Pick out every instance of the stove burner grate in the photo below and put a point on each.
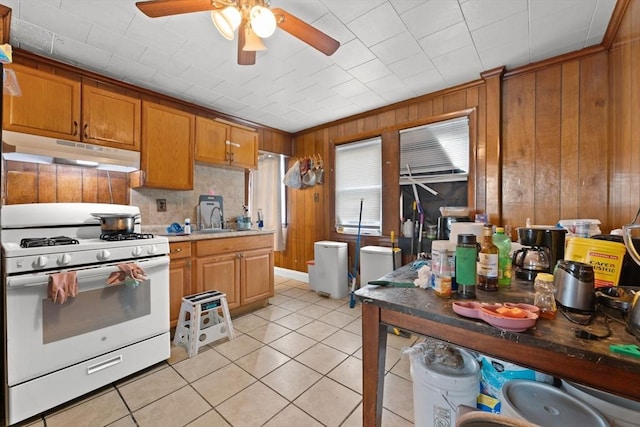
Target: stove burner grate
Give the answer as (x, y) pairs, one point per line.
(47, 241)
(115, 237)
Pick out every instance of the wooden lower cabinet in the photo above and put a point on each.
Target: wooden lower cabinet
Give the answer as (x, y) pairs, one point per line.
(179, 277)
(241, 267)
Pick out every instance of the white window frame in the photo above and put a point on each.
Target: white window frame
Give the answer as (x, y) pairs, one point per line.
(358, 176)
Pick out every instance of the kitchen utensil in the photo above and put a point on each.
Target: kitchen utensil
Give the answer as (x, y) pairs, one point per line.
(626, 349)
(633, 316)
(614, 297)
(574, 285)
(211, 211)
(490, 314)
(116, 223)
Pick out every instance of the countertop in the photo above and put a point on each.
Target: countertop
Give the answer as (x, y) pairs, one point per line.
(202, 235)
(556, 336)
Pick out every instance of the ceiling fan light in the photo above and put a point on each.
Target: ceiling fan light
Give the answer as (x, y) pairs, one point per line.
(252, 42)
(263, 22)
(226, 21)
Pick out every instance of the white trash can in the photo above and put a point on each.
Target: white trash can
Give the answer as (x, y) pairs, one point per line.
(439, 386)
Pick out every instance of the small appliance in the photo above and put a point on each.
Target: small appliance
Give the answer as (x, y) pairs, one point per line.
(443, 230)
(574, 283)
(542, 248)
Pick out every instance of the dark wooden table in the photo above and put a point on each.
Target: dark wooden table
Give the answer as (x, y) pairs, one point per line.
(550, 346)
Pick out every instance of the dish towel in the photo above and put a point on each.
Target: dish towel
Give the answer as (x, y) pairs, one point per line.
(130, 274)
(62, 286)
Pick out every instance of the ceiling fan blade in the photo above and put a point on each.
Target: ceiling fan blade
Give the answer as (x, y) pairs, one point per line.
(158, 8)
(305, 32)
(245, 57)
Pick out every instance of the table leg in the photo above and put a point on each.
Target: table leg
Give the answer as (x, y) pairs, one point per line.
(374, 346)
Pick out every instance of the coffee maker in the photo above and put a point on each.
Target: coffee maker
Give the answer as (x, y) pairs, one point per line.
(542, 248)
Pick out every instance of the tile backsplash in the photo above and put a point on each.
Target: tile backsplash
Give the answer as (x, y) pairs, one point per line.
(228, 183)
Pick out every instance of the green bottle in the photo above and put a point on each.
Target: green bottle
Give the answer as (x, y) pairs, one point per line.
(503, 242)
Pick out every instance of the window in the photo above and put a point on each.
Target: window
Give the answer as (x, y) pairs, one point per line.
(359, 177)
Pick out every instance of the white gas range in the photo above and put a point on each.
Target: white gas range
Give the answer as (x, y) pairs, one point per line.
(56, 351)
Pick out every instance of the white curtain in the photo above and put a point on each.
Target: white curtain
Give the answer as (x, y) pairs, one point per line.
(266, 194)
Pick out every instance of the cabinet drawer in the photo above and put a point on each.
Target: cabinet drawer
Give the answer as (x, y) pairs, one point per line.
(232, 244)
(179, 250)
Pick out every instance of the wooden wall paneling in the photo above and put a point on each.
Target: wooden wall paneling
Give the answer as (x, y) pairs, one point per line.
(402, 115)
(386, 119)
(370, 123)
(455, 101)
(390, 184)
(47, 184)
(476, 128)
(21, 178)
(412, 112)
(425, 108)
(570, 139)
(113, 187)
(547, 147)
(437, 105)
(492, 143)
(518, 136)
(633, 93)
(68, 190)
(89, 186)
(593, 155)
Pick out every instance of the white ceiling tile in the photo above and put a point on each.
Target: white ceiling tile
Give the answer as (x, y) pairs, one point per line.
(377, 25)
(44, 15)
(411, 66)
(396, 48)
(369, 71)
(400, 48)
(352, 54)
(432, 16)
(347, 11)
(479, 13)
(449, 39)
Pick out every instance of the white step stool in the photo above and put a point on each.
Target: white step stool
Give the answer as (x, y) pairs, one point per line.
(200, 323)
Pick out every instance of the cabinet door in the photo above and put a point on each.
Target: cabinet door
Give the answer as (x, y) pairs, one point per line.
(167, 147)
(179, 277)
(110, 118)
(244, 148)
(220, 273)
(49, 105)
(211, 141)
(257, 275)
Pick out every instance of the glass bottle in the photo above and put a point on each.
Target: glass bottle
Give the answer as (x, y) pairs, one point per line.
(545, 298)
(488, 261)
(466, 258)
(442, 284)
(503, 242)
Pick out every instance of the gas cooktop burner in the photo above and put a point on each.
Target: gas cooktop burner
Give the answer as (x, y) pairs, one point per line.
(47, 241)
(124, 236)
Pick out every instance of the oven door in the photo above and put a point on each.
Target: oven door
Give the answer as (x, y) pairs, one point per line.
(43, 336)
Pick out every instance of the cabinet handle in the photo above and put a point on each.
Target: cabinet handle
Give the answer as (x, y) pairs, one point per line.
(75, 128)
(85, 129)
(178, 250)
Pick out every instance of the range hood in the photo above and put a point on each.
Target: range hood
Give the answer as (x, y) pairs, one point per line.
(39, 149)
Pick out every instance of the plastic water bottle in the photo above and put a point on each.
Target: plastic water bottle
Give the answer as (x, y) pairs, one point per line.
(503, 242)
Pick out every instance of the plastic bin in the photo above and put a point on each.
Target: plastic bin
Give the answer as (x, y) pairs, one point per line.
(618, 411)
(329, 274)
(376, 261)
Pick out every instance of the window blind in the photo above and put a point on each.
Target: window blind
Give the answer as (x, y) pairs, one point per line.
(359, 177)
(440, 148)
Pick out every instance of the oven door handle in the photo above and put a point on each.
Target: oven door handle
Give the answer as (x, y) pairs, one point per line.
(83, 274)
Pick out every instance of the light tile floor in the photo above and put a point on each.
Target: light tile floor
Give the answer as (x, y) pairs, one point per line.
(296, 362)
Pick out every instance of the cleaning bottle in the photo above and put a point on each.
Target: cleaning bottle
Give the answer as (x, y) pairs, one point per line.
(503, 242)
(187, 226)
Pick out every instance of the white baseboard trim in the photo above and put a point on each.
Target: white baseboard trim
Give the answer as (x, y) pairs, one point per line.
(291, 274)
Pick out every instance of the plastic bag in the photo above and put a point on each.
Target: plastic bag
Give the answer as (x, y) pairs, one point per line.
(293, 178)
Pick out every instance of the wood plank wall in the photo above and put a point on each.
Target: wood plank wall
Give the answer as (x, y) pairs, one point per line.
(624, 71)
(310, 216)
(568, 133)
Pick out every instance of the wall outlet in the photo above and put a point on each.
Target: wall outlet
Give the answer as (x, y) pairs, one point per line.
(161, 205)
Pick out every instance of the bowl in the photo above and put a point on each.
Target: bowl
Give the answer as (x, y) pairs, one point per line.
(511, 324)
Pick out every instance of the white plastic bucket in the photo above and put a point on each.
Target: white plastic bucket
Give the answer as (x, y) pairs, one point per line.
(620, 412)
(438, 390)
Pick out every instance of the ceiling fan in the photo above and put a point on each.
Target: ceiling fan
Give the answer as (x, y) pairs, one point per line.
(253, 19)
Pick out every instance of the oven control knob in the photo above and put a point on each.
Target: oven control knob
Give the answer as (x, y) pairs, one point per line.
(64, 259)
(41, 261)
(104, 255)
(152, 250)
(137, 251)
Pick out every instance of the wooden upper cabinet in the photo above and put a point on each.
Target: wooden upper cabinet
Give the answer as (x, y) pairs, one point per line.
(223, 144)
(110, 118)
(49, 105)
(167, 147)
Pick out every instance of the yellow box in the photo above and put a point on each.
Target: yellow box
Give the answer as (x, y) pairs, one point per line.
(605, 257)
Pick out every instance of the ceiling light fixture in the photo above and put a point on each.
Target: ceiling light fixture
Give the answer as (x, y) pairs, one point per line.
(255, 12)
(252, 42)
